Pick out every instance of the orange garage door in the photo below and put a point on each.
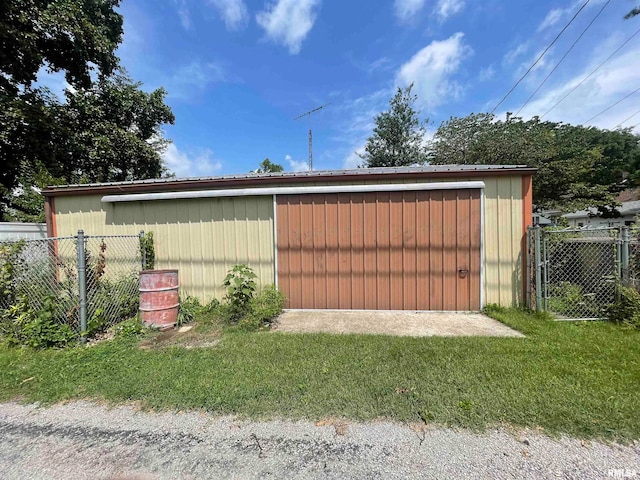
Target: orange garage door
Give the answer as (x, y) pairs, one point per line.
(380, 251)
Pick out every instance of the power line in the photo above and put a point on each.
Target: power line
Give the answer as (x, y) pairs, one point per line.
(563, 57)
(628, 118)
(611, 106)
(540, 57)
(592, 72)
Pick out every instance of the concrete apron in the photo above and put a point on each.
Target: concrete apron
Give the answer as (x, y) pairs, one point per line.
(399, 323)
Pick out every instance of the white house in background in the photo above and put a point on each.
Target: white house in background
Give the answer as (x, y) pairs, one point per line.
(15, 231)
(629, 212)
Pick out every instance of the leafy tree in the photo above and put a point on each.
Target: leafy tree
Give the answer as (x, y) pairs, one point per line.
(107, 129)
(398, 137)
(114, 131)
(266, 166)
(107, 132)
(578, 167)
(63, 35)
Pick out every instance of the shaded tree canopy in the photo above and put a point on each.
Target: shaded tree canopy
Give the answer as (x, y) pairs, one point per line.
(105, 129)
(267, 166)
(578, 167)
(398, 135)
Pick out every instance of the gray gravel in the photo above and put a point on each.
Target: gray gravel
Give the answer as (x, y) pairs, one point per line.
(84, 440)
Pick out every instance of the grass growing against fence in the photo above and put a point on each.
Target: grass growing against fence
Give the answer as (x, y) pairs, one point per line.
(580, 379)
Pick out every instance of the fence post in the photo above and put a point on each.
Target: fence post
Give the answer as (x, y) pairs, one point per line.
(143, 250)
(538, 266)
(82, 285)
(624, 255)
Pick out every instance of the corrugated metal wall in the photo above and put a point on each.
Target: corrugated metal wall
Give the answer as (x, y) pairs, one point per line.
(380, 251)
(205, 237)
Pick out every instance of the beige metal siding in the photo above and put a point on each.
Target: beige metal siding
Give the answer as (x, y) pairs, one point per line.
(203, 238)
(186, 229)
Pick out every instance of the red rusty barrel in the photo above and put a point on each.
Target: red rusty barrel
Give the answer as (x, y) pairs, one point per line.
(159, 298)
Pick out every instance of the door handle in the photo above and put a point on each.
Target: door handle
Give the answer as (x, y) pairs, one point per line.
(463, 272)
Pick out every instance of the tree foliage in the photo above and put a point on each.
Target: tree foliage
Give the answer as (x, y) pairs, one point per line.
(578, 167)
(267, 166)
(633, 12)
(398, 136)
(105, 129)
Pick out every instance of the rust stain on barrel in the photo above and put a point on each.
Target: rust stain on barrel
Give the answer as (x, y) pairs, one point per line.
(159, 298)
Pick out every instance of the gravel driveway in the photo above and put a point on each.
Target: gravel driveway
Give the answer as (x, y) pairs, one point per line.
(82, 440)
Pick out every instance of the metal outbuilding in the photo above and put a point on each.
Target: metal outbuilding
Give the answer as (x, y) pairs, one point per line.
(448, 237)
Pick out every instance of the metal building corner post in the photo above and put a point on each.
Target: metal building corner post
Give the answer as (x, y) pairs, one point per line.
(143, 250)
(82, 285)
(527, 270)
(624, 255)
(538, 266)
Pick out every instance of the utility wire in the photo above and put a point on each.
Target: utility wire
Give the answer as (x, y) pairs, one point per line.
(611, 106)
(589, 76)
(540, 57)
(628, 118)
(563, 57)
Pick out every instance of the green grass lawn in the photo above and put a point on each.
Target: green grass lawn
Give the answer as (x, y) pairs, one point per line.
(582, 379)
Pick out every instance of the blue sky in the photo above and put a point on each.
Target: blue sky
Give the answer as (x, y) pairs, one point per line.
(239, 71)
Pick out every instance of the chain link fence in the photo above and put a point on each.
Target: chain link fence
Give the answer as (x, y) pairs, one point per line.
(87, 282)
(573, 273)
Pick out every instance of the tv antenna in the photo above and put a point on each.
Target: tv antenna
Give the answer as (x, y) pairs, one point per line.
(308, 115)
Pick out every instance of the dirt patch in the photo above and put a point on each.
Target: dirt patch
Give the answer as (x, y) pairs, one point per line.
(200, 336)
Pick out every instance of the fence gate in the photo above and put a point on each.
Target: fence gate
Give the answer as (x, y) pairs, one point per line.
(574, 272)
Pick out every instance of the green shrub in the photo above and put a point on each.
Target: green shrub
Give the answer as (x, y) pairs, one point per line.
(493, 308)
(188, 309)
(210, 307)
(131, 328)
(148, 251)
(111, 302)
(241, 286)
(9, 259)
(21, 325)
(626, 309)
(568, 299)
(263, 309)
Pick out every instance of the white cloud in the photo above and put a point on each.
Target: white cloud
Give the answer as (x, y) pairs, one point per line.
(288, 22)
(406, 9)
(604, 88)
(296, 165)
(551, 19)
(192, 78)
(183, 13)
(445, 8)
(556, 14)
(383, 63)
(486, 73)
(233, 12)
(431, 69)
(513, 54)
(200, 163)
(353, 160)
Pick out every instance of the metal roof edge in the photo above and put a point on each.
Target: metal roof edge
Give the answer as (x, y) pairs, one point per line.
(244, 180)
